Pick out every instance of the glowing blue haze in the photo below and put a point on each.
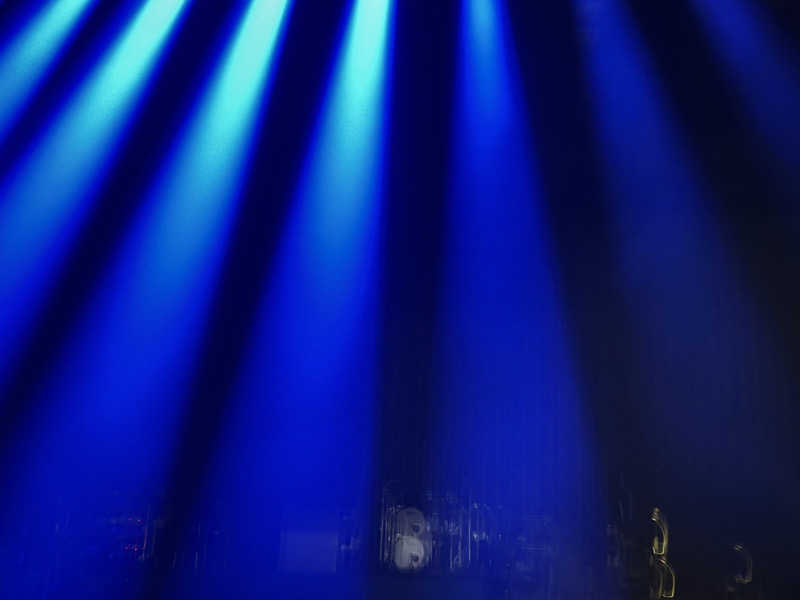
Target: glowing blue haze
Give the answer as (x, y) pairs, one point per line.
(193, 201)
(674, 266)
(658, 202)
(311, 370)
(124, 373)
(763, 65)
(337, 199)
(507, 381)
(25, 61)
(45, 196)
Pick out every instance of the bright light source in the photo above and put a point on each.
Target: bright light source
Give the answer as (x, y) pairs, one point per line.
(26, 59)
(44, 198)
(501, 348)
(337, 198)
(120, 367)
(312, 363)
(193, 199)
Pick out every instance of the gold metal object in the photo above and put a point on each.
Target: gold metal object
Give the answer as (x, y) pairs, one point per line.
(664, 573)
(660, 546)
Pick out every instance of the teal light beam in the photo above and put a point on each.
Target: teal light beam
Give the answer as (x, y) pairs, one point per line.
(26, 59)
(44, 199)
(311, 364)
(135, 344)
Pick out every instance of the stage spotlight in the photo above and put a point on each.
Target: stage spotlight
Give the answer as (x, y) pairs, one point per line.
(193, 199)
(755, 54)
(164, 274)
(502, 349)
(311, 364)
(45, 195)
(27, 58)
(673, 261)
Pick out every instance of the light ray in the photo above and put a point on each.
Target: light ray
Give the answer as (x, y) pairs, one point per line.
(764, 67)
(507, 383)
(27, 58)
(44, 199)
(133, 351)
(310, 372)
(112, 401)
(677, 274)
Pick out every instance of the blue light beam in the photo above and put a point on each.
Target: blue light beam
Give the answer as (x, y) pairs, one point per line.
(310, 373)
(658, 203)
(507, 381)
(684, 294)
(44, 198)
(764, 68)
(27, 58)
(122, 374)
(340, 180)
